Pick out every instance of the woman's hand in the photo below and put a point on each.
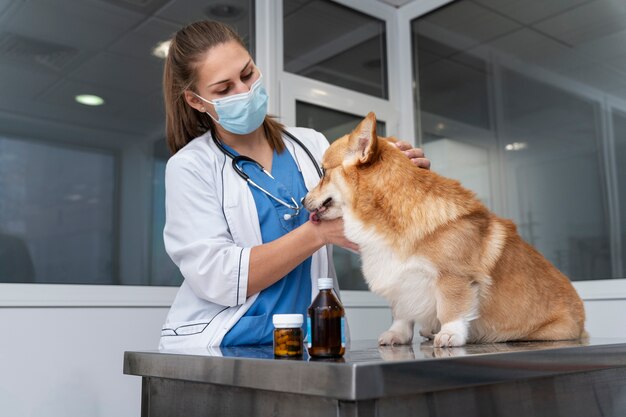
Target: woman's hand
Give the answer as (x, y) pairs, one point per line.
(416, 155)
(331, 232)
(273, 260)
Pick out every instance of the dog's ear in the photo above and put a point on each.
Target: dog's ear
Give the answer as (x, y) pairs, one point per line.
(364, 141)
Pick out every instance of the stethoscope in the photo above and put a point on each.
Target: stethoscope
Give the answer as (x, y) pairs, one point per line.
(236, 159)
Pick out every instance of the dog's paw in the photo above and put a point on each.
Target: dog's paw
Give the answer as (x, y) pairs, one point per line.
(393, 338)
(427, 333)
(453, 333)
(448, 339)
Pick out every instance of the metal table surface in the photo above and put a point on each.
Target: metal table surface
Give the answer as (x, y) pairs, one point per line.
(369, 372)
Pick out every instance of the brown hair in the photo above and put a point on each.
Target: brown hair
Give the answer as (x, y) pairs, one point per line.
(182, 122)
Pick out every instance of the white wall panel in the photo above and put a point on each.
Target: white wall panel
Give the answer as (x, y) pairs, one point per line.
(68, 362)
(367, 323)
(606, 318)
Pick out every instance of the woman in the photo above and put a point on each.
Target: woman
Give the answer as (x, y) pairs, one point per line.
(246, 249)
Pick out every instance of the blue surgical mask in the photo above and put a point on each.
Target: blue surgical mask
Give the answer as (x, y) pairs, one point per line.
(241, 113)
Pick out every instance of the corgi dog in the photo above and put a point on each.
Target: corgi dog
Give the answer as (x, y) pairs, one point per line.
(436, 253)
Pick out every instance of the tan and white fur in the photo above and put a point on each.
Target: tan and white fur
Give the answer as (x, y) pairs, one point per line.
(436, 253)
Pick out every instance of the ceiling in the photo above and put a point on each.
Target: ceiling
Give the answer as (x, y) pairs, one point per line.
(50, 51)
(572, 40)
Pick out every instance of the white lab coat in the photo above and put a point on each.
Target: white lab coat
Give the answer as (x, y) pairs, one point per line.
(211, 225)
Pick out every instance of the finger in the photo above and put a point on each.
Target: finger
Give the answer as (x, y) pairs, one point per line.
(421, 162)
(415, 153)
(351, 246)
(404, 146)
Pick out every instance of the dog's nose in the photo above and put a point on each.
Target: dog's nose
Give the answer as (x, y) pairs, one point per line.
(327, 202)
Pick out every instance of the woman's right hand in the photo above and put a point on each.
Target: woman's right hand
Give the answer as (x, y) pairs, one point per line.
(332, 232)
(273, 260)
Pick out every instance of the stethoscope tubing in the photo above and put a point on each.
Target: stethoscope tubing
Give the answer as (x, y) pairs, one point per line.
(307, 151)
(242, 158)
(295, 206)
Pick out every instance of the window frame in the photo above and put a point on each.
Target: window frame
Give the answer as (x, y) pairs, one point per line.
(293, 88)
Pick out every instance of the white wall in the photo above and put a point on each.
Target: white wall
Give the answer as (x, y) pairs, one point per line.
(367, 323)
(67, 362)
(605, 305)
(606, 318)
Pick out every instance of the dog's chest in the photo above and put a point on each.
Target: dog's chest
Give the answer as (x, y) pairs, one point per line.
(409, 284)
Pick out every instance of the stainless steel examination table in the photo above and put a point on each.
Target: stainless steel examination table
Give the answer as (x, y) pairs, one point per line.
(583, 379)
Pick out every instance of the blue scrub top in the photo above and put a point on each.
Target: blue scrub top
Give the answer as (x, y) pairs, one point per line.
(292, 293)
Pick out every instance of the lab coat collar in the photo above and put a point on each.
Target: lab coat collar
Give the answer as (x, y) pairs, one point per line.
(239, 207)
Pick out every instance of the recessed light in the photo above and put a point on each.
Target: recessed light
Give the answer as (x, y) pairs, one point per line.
(89, 100)
(516, 146)
(161, 50)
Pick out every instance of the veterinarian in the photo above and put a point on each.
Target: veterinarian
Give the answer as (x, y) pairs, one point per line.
(235, 225)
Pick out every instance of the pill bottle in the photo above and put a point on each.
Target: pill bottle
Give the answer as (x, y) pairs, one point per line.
(288, 335)
(325, 323)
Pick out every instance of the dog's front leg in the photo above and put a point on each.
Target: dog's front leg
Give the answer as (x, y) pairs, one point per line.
(400, 332)
(457, 305)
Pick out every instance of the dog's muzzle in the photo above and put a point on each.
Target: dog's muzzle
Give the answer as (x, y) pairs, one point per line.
(314, 217)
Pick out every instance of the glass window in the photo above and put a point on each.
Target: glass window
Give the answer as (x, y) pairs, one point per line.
(558, 133)
(334, 44)
(512, 101)
(453, 83)
(162, 270)
(81, 187)
(56, 213)
(334, 124)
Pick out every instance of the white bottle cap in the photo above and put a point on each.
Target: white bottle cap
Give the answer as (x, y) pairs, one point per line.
(286, 321)
(324, 283)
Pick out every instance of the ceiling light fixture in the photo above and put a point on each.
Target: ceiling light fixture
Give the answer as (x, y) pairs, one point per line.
(89, 100)
(516, 146)
(161, 50)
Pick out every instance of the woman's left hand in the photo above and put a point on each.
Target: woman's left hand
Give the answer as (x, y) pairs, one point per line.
(416, 155)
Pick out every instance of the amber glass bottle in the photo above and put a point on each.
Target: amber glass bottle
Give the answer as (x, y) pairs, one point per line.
(325, 323)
